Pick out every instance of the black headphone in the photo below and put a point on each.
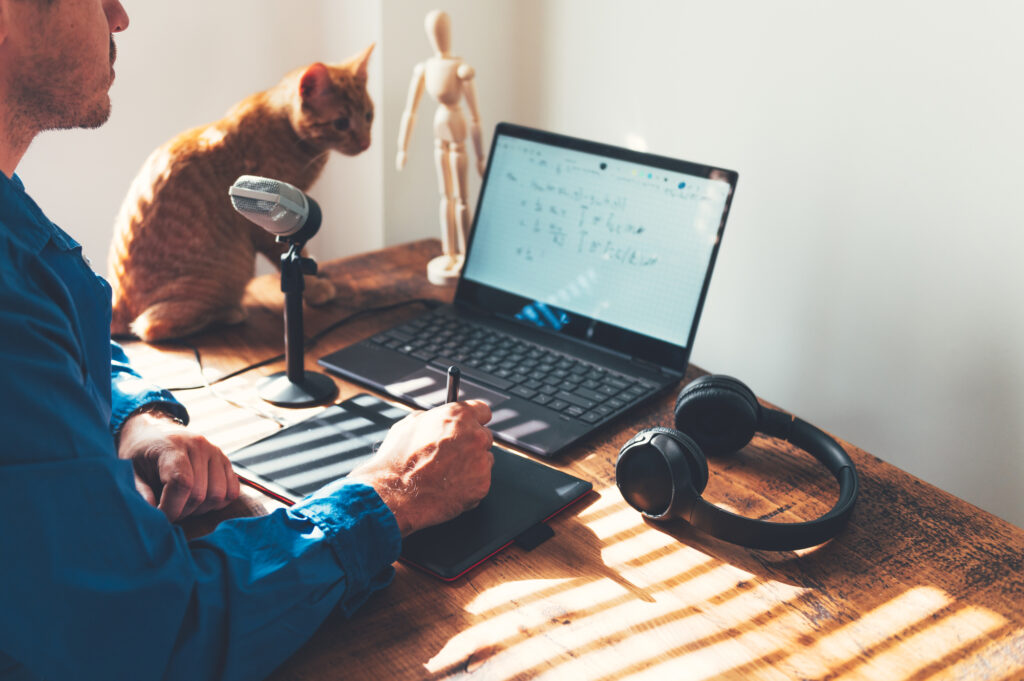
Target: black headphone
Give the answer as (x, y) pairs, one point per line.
(661, 472)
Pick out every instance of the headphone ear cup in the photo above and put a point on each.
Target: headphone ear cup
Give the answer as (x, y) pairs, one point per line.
(661, 472)
(694, 455)
(719, 412)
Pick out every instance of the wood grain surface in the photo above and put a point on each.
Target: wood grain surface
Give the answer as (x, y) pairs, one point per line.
(921, 585)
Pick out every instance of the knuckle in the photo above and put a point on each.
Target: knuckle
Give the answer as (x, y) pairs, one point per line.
(180, 478)
(178, 439)
(458, 410)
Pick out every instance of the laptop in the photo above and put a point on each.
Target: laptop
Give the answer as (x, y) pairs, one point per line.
(585, 274)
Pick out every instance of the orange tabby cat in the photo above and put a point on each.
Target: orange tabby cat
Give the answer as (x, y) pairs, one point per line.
(181, 256)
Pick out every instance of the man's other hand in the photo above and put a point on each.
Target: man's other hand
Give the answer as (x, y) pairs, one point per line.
(433, 465)
(176, 470)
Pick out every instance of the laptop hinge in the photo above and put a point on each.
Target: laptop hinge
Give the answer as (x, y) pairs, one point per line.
(657, 368)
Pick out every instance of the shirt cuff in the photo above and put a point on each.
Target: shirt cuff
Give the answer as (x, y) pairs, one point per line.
(362, 532)
(125, 404)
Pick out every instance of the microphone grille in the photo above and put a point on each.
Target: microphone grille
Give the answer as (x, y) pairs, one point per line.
(244, 204)
(247, 204)
(263, 184)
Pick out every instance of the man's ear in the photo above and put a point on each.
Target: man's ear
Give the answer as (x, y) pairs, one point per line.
(314, 84)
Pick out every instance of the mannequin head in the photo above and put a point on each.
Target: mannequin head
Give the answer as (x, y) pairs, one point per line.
(439, 32)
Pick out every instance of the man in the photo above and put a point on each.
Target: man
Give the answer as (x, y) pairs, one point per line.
(95, 581)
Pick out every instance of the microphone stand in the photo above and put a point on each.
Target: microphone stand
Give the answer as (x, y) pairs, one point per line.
(296, 387)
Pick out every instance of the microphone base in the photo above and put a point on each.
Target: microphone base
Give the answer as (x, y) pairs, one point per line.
(313, 390)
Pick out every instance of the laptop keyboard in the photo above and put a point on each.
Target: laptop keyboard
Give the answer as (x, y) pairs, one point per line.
(560, 382)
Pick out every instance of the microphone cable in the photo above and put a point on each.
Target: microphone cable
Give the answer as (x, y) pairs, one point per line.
(307, 344)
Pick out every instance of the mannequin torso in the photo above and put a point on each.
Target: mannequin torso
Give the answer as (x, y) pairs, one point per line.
(448, 80)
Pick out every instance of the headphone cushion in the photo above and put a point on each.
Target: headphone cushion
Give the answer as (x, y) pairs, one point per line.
(719, 412)
(694, 455)
(661, 472)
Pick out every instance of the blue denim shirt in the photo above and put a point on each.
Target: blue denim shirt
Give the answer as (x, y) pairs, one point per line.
(94, 582)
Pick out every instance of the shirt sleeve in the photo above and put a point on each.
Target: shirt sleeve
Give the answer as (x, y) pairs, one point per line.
(95, 583)
(129, 391)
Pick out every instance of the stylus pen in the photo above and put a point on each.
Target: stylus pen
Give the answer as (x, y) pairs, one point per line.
(454, 375)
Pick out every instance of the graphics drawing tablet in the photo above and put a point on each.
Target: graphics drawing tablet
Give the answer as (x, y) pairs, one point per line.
(300, 459)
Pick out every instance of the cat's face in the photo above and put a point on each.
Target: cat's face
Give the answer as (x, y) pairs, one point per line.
(334, 109)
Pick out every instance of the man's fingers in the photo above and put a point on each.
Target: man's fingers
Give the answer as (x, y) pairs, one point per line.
(486, 438)
(200, 482)
(481, 411)
(145, 490)
(216, 487)
(234, 487)
(177, 478)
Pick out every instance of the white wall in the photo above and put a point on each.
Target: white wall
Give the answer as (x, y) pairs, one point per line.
(868, 278)
(500, 41)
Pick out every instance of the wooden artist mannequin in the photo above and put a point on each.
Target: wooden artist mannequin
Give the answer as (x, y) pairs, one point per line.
(448, 79)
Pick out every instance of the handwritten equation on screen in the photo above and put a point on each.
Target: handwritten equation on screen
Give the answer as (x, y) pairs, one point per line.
(581, 232)
(612, 214)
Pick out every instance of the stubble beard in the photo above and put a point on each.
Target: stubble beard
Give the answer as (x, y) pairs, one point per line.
(51, 98)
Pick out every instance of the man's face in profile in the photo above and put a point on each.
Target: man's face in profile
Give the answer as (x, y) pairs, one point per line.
(64, 54)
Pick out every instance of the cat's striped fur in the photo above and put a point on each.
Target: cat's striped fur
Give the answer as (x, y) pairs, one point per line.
(181, 256)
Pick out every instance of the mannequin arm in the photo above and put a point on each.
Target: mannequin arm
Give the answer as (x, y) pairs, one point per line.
(466, 74)
(409, 115)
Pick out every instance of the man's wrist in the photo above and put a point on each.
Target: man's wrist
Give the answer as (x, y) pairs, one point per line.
(157, 409)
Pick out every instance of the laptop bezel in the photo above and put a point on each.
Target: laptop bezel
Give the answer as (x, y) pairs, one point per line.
(489, 301)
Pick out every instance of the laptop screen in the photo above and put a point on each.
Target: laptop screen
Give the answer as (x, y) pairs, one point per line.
(605, 244)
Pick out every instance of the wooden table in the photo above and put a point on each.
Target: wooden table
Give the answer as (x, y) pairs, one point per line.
(921, 585)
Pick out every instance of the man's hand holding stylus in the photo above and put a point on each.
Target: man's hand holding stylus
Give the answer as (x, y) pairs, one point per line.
(433, 465)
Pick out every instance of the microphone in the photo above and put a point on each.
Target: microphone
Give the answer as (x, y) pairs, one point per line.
(284, 211)
(278, 207)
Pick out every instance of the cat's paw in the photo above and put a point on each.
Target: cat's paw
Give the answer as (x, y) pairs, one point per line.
(176, 318)
(319, 291)
(235, 315)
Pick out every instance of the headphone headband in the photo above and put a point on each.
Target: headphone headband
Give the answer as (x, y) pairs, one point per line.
(764, 534)
(678, 449)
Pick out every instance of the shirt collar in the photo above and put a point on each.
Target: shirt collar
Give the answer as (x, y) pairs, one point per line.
(26, 220)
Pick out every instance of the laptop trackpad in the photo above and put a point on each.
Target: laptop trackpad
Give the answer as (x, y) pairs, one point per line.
(427, 388)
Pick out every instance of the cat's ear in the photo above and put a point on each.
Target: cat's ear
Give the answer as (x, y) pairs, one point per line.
(315, 83)
(5, 23)
(362, 60)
